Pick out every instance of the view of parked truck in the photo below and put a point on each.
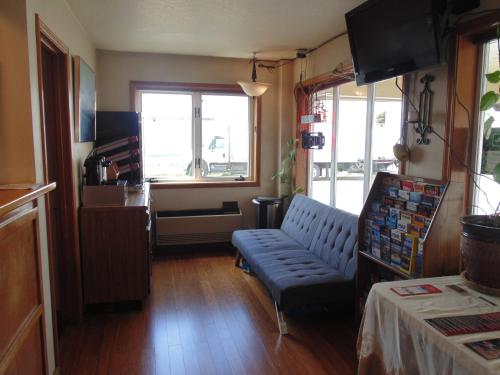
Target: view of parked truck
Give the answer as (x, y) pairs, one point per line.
(225, 137)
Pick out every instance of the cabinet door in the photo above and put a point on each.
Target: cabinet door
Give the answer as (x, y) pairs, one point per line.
(114, 254)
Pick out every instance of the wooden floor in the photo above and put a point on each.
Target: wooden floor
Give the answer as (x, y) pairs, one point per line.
(205, 316)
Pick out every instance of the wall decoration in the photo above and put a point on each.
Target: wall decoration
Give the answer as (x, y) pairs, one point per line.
(85, 100)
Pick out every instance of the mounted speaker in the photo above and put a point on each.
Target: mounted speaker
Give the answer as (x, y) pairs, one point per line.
(462, 6)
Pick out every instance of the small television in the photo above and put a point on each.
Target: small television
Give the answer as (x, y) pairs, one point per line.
(393, 37)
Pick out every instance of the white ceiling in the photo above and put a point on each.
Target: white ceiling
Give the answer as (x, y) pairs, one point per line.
(228, 28)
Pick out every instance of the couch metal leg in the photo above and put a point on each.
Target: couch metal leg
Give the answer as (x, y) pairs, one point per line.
(281, 319)
(237, 261)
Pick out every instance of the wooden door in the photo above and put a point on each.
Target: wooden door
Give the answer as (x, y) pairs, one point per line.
(62, 226)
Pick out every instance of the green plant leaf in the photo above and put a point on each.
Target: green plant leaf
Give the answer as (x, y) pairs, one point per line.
(496, 173)
(487, 127)
(488, 100)
(279, 174)
(298, 189)
(285, 173)
(493, 77)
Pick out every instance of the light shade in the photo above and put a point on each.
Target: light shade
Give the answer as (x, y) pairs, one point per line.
(254, 88)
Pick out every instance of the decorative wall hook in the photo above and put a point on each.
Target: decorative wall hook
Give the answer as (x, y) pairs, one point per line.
(422, 124)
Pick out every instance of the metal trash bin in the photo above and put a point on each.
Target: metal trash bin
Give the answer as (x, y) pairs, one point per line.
(267, 212)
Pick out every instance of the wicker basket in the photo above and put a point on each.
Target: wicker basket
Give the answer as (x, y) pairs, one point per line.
(480, 248)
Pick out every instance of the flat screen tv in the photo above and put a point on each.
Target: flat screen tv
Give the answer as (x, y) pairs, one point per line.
(393, 37)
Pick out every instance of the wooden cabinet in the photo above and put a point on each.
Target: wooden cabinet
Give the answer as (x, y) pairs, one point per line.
(431, 227)
(22, 326)
(116, 256)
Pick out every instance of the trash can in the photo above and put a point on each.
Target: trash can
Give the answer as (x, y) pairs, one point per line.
(267, 211)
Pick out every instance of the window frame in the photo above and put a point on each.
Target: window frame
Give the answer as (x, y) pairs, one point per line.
(253, 180)
(477, 123)
(463, 82)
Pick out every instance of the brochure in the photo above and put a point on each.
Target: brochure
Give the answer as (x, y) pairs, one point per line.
(466, 324)
(488, 349)
(416, 290)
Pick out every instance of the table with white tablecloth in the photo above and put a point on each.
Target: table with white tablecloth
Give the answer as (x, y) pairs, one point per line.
(394, 338)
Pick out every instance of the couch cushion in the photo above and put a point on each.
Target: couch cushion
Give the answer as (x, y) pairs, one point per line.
(298, 277)
(256, 241)
(301, 219)
(335, 241)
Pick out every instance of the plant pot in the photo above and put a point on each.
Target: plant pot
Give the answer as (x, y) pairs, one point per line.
(480, 248)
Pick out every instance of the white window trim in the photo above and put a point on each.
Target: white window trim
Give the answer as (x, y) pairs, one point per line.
(253, 128)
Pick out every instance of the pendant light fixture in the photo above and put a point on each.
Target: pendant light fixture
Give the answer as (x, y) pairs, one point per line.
(254, 88)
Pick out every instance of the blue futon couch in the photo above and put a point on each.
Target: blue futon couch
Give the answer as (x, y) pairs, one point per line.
(311, 259)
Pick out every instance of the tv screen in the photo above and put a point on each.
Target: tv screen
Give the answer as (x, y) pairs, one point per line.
(393, 37)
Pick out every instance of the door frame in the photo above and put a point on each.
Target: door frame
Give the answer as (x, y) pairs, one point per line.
(72, 300)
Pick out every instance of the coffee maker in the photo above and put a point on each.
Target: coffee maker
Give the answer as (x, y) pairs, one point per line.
(95, 169)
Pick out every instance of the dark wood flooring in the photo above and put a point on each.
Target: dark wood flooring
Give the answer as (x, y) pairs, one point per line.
(205, 316)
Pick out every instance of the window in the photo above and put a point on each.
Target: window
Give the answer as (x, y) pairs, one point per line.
(362, 123)
(486, 192)
(197, 136)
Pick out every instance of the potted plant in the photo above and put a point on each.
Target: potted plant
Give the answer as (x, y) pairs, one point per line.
(480, 240)
(286, 176)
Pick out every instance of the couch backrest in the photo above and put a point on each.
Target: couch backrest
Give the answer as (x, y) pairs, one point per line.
(302, 218)
(335, 240)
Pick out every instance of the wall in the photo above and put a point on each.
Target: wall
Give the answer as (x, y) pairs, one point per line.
(426, 160)
(324, 59)
(57, 15)
(115, 70)
(15, 111)
(285, 116)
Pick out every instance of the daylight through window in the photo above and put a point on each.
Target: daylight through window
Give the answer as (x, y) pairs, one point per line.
(193, 136)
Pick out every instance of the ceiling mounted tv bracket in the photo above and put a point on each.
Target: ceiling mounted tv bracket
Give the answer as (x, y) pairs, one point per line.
(422, 124)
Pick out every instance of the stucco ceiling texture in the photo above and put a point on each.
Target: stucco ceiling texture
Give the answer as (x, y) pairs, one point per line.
(226, 28)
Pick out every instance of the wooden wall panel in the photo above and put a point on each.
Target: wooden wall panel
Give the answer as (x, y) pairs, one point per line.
(442, 244)
(25, 362)
(18, 275)
(22, 325)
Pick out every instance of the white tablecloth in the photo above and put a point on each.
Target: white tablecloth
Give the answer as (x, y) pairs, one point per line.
(395, 339)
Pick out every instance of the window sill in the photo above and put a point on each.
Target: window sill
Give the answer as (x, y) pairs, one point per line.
(203, 184)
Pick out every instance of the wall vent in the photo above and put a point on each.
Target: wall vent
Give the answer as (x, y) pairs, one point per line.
(196, 226)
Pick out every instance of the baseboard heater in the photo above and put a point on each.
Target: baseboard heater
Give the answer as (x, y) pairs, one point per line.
(198, 225)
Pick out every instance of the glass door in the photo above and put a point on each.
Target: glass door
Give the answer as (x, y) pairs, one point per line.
(350, 153)
(362, 125)
(386, 127)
